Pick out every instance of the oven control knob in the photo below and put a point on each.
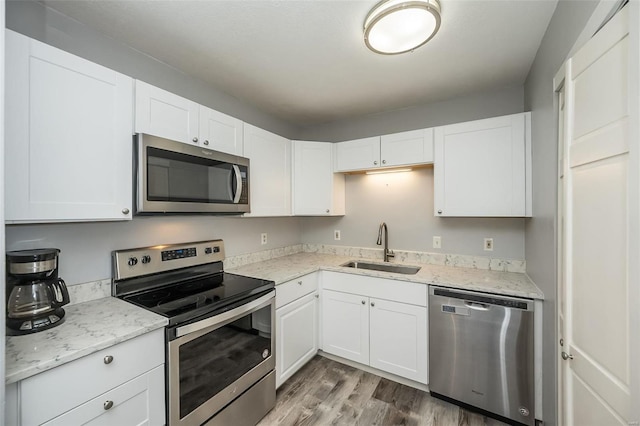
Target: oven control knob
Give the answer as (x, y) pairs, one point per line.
(146, 259)
(133, 261)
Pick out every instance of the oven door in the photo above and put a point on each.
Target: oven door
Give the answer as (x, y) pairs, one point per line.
(213, 361)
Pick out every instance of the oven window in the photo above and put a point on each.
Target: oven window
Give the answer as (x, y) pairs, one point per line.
(178, 177)
(213, 361)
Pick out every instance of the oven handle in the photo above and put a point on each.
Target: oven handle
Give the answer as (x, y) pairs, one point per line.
(217, 319)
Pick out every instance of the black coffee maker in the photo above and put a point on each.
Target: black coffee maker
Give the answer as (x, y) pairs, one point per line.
(35, 293)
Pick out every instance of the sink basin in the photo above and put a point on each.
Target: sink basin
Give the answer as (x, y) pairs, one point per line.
(398, 269)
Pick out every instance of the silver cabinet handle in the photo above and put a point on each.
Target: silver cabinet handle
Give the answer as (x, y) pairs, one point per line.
(108, 359)
(375, 163)
(363, 302)
(317, 296)
(299, 282)
(373, 304)
(206, 142)
(384, 161)
(195, 140)
(327, 210)
(561, 342)
(439, 211)
(108, 405)
(566, 356)
(125, 211)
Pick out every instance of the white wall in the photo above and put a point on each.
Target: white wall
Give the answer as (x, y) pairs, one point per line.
(405, 202)
(86, 247)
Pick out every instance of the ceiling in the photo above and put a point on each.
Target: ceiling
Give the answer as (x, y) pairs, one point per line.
(304, 61)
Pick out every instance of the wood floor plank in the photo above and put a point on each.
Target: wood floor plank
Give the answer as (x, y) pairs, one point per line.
(325, 392)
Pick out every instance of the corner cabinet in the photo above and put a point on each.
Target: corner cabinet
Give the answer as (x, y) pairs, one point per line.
(164, 114)
(317, 191)
(68, 136)
(483, 168)
(269, 172)
(377, 322)
(296, 325)
(399, 149)
(120, 385)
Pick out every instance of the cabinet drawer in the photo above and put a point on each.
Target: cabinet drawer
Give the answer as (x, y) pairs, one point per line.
(295, 289)
(58, 390)
(139, 401)
(381, 288)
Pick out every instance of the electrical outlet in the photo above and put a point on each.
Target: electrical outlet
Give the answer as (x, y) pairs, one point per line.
(437, 242)
(263, 238)
(488, 244)
(336, 235)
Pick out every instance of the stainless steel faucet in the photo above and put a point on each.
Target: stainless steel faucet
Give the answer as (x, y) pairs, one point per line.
(387, 253)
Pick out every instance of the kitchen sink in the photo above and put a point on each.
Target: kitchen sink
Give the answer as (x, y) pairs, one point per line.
(399, 269)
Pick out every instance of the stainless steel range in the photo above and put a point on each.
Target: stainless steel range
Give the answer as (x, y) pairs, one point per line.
(220, 340)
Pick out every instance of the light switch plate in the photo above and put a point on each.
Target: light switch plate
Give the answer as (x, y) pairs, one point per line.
(437, 242)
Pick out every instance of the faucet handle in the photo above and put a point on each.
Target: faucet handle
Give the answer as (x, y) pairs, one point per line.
(390, 253)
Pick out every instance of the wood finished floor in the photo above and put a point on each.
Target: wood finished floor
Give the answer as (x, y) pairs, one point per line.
(325, 392)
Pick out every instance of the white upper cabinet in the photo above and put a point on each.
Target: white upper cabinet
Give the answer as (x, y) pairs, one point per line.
(398, 149)
(269, 172)
(164, 114)
(483, 168)
(68, 136)
(220, 132)
(317, 191)
(359, 154)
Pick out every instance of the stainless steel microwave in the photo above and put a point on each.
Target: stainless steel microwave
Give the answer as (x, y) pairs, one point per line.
(174, 177)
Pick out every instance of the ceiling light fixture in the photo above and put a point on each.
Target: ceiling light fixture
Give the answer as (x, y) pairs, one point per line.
(399, 26)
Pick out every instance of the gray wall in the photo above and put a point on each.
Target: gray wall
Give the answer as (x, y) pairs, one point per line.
(49, 26)
(566, 25)
(474, 106)
(86, 247)
(405, 202)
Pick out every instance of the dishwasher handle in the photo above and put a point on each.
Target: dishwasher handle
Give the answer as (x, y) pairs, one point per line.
(477, 306)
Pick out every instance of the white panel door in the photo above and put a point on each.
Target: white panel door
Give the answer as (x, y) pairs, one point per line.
(68, 136)
(296, 335)
(480, 168)
(597, 241)
(164, 114)
(398, 339)
(317, 191)
(345, 325)
(269, 172)
(406, 148)
(358, 154)
(220, 132)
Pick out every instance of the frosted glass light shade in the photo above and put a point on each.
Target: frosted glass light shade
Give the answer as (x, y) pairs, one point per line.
(397, 26)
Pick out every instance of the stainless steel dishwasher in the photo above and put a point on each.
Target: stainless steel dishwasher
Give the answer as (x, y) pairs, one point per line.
(481, 352)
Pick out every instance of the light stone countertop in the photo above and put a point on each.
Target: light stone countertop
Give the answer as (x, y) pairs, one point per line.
(88, 327)
(287, 268)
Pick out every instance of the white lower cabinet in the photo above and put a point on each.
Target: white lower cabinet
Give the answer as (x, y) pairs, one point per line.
(361, 324)
(296, 325)
(122, 385)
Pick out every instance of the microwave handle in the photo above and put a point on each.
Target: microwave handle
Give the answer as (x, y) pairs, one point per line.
(238, 193)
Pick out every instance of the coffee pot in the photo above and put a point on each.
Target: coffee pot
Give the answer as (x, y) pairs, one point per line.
(35, 292)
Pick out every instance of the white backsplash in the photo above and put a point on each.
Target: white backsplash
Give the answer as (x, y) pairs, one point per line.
(93, 290)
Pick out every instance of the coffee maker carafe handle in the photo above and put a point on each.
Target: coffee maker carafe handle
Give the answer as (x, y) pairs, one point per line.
(60, 293)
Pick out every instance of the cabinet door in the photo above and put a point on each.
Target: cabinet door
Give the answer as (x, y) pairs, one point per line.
(345, 325)
(164, 114)
(480, 168)
(296, 335)
(68, 140)
(220, 132)
(398, 334)
(406, 148)
(269, 172)
(317, 191)
(359, 154)
(139, 401)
